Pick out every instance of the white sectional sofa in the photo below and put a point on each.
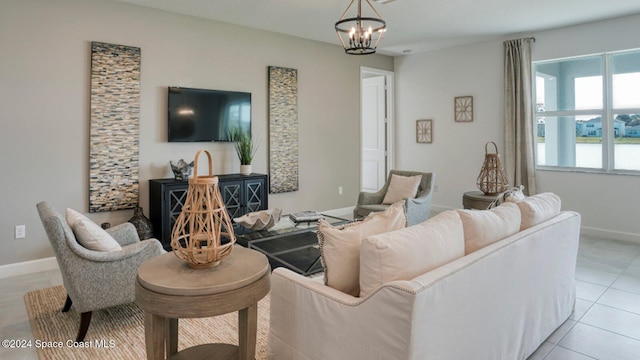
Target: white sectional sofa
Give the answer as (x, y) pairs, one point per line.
(498, 302)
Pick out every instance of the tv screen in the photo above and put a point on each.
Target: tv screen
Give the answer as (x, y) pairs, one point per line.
(207, 115)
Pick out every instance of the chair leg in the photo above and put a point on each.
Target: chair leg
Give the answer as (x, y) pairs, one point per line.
(67, 304)
(85, 320)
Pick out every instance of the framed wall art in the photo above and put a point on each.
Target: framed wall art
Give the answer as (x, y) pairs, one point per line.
(463, 108)
(283, 130)
(114, 127)
(424, 131)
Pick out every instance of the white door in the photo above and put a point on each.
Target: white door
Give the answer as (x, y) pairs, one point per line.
(373, 111)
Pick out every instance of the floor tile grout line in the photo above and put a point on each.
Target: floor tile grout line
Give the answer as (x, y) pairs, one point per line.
(612, 332)
(577, 352)
(617, 308)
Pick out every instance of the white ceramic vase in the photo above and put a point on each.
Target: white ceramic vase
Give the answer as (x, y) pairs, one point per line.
(246, 169)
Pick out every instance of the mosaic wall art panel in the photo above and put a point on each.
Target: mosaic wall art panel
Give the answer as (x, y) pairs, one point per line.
(114, 134)
(283, 129)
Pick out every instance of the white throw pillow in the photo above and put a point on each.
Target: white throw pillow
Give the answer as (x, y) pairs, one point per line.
(484, 227)
(340, 246)
(89, 234)
(538, 208)
(406, 253)
(402, 187)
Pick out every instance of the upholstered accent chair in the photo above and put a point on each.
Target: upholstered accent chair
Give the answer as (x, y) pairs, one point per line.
(417, 209)
(96, 280)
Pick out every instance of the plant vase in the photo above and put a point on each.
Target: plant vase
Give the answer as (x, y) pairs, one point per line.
(246, 169)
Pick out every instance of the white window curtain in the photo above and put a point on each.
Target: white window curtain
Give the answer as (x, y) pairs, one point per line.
(518, 111)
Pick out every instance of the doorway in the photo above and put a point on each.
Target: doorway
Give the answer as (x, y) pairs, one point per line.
(376, 127)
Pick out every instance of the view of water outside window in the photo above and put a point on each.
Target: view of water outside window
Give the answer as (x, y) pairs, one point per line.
(571, 110)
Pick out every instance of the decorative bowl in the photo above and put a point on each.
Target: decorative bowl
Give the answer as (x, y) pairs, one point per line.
(259, 220)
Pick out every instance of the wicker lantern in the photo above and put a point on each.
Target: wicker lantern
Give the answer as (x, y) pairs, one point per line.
(492, 179)
(203, 222)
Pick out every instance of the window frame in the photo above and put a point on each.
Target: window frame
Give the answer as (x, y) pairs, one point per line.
(606, 113)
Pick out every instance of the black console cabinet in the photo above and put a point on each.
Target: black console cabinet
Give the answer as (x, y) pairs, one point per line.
(241, 194)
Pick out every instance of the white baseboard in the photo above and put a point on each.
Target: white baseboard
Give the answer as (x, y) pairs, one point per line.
(28, 267)
(610, 234)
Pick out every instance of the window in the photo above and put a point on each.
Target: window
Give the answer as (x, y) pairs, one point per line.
(588, 112)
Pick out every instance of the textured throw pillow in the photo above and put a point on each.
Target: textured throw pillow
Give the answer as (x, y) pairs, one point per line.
(406, 253)
(402, 187)
(89, 234)
(340, 246)
(484, 227)
(538, 208)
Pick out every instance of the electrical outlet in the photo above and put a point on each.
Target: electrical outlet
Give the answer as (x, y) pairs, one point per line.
(339, 190)
(21, 231)
(435, 188)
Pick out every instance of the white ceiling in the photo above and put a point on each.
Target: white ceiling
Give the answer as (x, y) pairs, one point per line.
(412, 25)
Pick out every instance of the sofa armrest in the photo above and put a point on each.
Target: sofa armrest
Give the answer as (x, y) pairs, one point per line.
(125, 233)
(150, 245)
(304, 310)
(317, 287)
(369, 198)
(108, 278)
(417, 210)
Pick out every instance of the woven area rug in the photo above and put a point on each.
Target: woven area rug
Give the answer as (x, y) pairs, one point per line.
(123, 327)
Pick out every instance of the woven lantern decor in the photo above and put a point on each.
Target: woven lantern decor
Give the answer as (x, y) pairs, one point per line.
(203, 222)
(492, 179)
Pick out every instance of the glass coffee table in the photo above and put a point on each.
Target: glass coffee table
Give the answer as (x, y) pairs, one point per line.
(288, 244)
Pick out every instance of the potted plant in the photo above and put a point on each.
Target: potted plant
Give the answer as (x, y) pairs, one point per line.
(245, 148)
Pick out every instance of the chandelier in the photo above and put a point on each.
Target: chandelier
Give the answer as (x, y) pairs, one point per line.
(360, 35)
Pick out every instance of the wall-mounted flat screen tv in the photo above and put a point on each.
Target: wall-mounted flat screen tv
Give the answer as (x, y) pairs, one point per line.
(207, 115)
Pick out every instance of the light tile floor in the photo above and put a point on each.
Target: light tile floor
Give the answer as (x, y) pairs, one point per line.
(605, 323)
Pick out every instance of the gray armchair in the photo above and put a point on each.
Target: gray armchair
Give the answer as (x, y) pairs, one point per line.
(417, 209)
(96, 280)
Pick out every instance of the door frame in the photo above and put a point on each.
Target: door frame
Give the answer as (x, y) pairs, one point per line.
(390, 125)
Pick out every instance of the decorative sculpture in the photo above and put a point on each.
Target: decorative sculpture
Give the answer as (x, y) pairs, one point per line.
(203, 234)
(259, 220)
(181, 170)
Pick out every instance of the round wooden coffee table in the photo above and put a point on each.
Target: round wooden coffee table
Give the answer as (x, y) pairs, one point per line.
(168, 289)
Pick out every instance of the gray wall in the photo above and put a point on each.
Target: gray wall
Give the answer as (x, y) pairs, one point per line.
(427, 83)
(44, 97)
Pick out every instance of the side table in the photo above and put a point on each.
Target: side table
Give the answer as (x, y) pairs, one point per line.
(477, 200)
(168, 289)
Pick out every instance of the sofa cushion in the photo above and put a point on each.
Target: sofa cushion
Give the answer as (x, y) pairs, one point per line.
(402, 187)
(340, 246)
(538, 208)
(484, 227)
(89, 234)
(406, 253)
